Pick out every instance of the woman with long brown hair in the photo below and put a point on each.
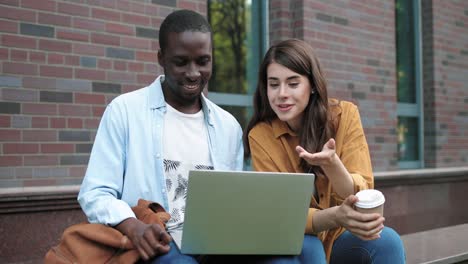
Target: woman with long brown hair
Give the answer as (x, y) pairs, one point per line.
(296, 128)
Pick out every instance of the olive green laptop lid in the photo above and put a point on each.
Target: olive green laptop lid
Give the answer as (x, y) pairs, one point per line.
(233, 212)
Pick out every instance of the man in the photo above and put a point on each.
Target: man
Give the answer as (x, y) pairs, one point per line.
(148, 140)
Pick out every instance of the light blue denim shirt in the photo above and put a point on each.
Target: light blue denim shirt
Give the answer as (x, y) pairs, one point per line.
(126, 161)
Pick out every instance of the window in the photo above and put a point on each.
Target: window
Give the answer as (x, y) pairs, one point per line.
(239, 40)
(409, 88)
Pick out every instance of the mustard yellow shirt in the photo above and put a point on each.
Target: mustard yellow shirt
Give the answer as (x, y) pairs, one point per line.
(272, 146)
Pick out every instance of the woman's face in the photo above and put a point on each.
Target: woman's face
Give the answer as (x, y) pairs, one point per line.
(288, 93)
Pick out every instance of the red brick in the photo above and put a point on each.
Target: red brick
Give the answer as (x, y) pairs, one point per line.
(10, 160)
(104, 64)
(39, 109)
(57, 148)
(136, 66)
(121, 76)
(120, 29)
(53, 45)
(20, 148)
(105, 14)
(187, 5)
(38, 57)
(129, 88)
(147, 56)
(55, 71)
(39, 122)
(77, 171)
(41, 160)
(88, 49)
(73, 9)
(40, 135)
(105, 39)
(8, 26)
(88, 24)
(18, 55)
(52, 19)
(75, 123)
(120, 65)
(20, 68)
(38, 82)
(5, 121)
(90, 74)
(10, 135)
(136, 43)
(72, 35)
(72, 60)
(41, 182)
(57, 122)
(17, 14)
(136, 19)
(92, 123)
(20, 95)
(41, 5)
(3, 54)
(19, 42)
(74, 110)
(138, 8)
(82, 98)
(54, 58)
(145, 79)
(98, 111)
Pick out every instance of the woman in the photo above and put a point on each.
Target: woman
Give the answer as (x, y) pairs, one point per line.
(297, 128)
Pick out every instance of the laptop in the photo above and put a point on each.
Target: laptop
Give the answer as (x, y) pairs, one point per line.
(245, 212)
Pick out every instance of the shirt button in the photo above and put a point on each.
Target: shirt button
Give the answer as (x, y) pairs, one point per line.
(321, 195)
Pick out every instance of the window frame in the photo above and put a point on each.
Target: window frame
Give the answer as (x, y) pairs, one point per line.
(417, 109)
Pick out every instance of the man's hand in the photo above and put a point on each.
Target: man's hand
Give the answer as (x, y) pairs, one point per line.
(364, 226)
(150, 240)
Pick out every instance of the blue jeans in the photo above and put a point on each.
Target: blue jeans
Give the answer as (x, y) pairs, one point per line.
(312, 250)
(346, 249)
(387, 249)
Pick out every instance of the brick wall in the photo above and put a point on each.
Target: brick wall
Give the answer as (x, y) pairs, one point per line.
(445, 32)
(61, 62)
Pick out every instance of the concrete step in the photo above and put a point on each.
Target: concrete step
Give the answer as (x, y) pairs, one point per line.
(437, 246)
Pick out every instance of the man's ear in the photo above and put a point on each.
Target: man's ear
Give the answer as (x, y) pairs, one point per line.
(160, 58)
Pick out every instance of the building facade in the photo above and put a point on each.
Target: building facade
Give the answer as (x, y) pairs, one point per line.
(404, 63)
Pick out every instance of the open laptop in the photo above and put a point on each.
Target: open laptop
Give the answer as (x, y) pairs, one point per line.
(245, 212)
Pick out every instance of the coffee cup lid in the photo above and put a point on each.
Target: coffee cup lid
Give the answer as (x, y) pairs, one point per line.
(370, 198)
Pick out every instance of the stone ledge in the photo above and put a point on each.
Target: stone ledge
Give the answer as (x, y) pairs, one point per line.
(38, 199)
(420, 176)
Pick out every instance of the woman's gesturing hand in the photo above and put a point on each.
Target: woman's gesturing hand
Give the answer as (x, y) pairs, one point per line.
(326, 157)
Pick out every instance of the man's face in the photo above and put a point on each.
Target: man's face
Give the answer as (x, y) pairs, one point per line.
(187, 64)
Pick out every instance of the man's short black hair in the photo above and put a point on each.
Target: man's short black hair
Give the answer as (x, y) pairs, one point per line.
(181, 21)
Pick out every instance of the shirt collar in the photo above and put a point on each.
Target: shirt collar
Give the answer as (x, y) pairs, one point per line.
(156, 96)
(156, 99)
(280, 128)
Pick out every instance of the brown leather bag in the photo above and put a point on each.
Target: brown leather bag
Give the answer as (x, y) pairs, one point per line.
(97, 243)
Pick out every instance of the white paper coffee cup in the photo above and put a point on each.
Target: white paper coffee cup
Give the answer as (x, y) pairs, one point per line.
(370, 201)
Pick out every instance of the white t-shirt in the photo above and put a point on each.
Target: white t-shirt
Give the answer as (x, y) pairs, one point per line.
(185, 148)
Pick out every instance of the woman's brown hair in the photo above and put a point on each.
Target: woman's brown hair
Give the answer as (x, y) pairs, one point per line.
(317, 129)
